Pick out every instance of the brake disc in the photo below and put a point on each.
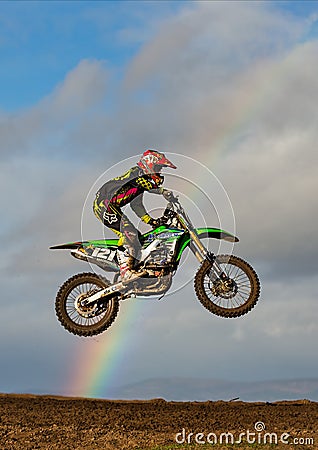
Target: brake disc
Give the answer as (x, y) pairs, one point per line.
(224, 288)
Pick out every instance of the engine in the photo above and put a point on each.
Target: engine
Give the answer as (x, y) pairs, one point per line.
(162, 255)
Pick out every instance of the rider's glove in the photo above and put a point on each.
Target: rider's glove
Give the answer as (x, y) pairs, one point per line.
(154, 223)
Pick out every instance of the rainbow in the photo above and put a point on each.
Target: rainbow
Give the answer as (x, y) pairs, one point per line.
(98, 361)
(94, 367)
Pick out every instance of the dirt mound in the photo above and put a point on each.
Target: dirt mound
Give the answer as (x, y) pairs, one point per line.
(48, 422)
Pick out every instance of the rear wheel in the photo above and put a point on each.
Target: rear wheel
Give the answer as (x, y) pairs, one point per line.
(75, 315)
(232, 297)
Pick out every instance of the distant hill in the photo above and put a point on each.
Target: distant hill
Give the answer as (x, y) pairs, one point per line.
(196, 389)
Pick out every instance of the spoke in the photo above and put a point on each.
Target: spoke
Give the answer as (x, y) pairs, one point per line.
(82, 288)
(241, 278)
(72, 314)
(76, 290)
(226, 269)
(238, 270)
(70, 302)
(244, 290)
(242, 274)
(243, 283)
(230, 270)
(73, 295)
(75, 319)
(244, 299)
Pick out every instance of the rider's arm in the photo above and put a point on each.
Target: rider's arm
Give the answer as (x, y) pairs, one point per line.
(137, 204)
(138, 207)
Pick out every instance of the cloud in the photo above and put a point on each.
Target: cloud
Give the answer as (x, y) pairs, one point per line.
(44, 126)
(82, 89)
(46, 212)
(291, 95)
(270, 173)
(212, 34)
(190, 84)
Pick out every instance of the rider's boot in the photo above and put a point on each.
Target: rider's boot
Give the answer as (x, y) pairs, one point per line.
(127, 268)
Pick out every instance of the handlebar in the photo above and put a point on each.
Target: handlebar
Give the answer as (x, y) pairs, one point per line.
(169, 196)
(170, 213)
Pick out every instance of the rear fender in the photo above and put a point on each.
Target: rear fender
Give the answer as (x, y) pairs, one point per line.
(100, 252)
(104, 243)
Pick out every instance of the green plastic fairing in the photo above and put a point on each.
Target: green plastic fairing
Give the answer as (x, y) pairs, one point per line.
(214, 233)
(183, 239)
(97, 243)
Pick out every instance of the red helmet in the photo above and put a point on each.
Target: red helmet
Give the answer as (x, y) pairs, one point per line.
(152, 162)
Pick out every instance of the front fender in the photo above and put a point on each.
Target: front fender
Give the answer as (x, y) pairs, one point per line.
(214, 233)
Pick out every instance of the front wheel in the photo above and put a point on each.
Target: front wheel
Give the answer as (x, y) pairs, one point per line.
(80, 318)
(232, 297)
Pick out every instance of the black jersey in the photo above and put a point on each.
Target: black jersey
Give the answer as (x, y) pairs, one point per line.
(128, 188)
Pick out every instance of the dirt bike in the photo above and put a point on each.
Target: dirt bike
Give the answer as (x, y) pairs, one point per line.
(87, 303)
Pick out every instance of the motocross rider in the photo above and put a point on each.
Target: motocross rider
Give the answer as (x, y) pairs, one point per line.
(129, 188)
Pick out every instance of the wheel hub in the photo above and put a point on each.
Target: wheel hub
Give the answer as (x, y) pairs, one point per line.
(84, 309)
(224, 288)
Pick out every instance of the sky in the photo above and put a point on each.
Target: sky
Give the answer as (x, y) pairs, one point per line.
(87, 85)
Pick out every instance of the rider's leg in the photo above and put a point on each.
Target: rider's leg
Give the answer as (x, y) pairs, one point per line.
(113, 218)
(132, 245)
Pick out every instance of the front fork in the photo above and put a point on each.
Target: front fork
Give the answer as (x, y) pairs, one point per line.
(201, 253)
